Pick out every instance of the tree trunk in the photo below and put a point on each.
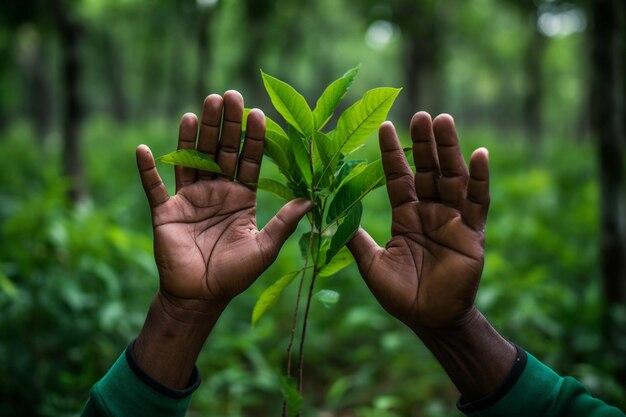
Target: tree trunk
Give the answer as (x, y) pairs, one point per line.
(608, 129)
(412, 78)
(71, 34)
(532, 101)
(114, 77)
(422, 58)
(204, 52)
(34, 67)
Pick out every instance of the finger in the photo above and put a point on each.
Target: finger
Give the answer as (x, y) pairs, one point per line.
(252, 152)
(152, 184)
(365, 250)
(400, 185)
(187, 132)
(280, 227)
(209, 135)
(477, 203)
(228, 149)
(427, 172)
(453, 183)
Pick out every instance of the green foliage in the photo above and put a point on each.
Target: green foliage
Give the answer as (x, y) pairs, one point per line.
(290, 104)
(192, 159)
(327, 297)
(271, 294)
(321, 166)
(292, 396)
(74, 285)
(320, 158)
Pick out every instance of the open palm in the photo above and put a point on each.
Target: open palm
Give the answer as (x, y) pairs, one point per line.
(428, 273)
(206, 241)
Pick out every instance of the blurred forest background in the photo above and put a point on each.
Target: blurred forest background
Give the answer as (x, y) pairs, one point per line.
(83, 82)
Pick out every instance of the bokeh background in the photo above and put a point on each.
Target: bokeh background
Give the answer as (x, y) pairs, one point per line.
(83, 82)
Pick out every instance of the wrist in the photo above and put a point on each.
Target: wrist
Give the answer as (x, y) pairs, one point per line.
(192, 312)
(172, 337)
(474, 355)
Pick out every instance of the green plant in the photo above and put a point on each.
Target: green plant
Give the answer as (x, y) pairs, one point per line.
(316, 166)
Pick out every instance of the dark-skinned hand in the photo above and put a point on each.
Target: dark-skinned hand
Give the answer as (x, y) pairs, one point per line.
(428, 273)
(206, 241)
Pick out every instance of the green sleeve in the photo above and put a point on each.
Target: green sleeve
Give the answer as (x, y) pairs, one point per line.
(536, 390)
(128, 391)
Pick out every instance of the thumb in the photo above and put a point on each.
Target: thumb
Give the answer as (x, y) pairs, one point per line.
(152, 184)
(365, 250)
(281, 226)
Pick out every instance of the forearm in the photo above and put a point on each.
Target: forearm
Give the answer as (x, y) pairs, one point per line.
(172, 337)
(474, 355)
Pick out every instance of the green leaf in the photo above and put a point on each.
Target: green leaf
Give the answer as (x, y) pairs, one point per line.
(362, 118)
(330, 98)
(191, 159)
(269, 123)
(345, 231)
(290, 104)
(341, 260)
(353, 191)
(291, 395)
(301, 156)
(323, 146)
(278, 189)
(273, 126)
(271, 294)
(7, 286)
(299, 188)
(277, 147)
(327, 297)
(324, 150)
(303, 243)
(349, 170)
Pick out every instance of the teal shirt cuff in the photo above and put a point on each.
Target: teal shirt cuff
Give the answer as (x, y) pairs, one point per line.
(539, 391)
(126, 390)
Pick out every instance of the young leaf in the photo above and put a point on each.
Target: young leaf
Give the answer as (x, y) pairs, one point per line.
(278, 189)
(303, 243)
(273, 126)
(277, 148)
(345, 231)
(290, 104)
(271, 294)
(330, 98)
(323, 151)
(327, 297)
(362, 118)
(301, 156)
(344, 176)
(269, 123)
(191, 159)
(341, 260)
(353, 191)
(353, 166)
(291, 395)
(322, 145)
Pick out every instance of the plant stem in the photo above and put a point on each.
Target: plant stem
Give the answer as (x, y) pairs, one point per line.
(306, 315)
(294, 321)
(303, 335)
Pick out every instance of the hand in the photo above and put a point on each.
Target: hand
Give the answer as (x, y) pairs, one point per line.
(428, 273)
(206, 242)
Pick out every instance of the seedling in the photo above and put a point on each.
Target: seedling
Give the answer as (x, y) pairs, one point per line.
(315, 165)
